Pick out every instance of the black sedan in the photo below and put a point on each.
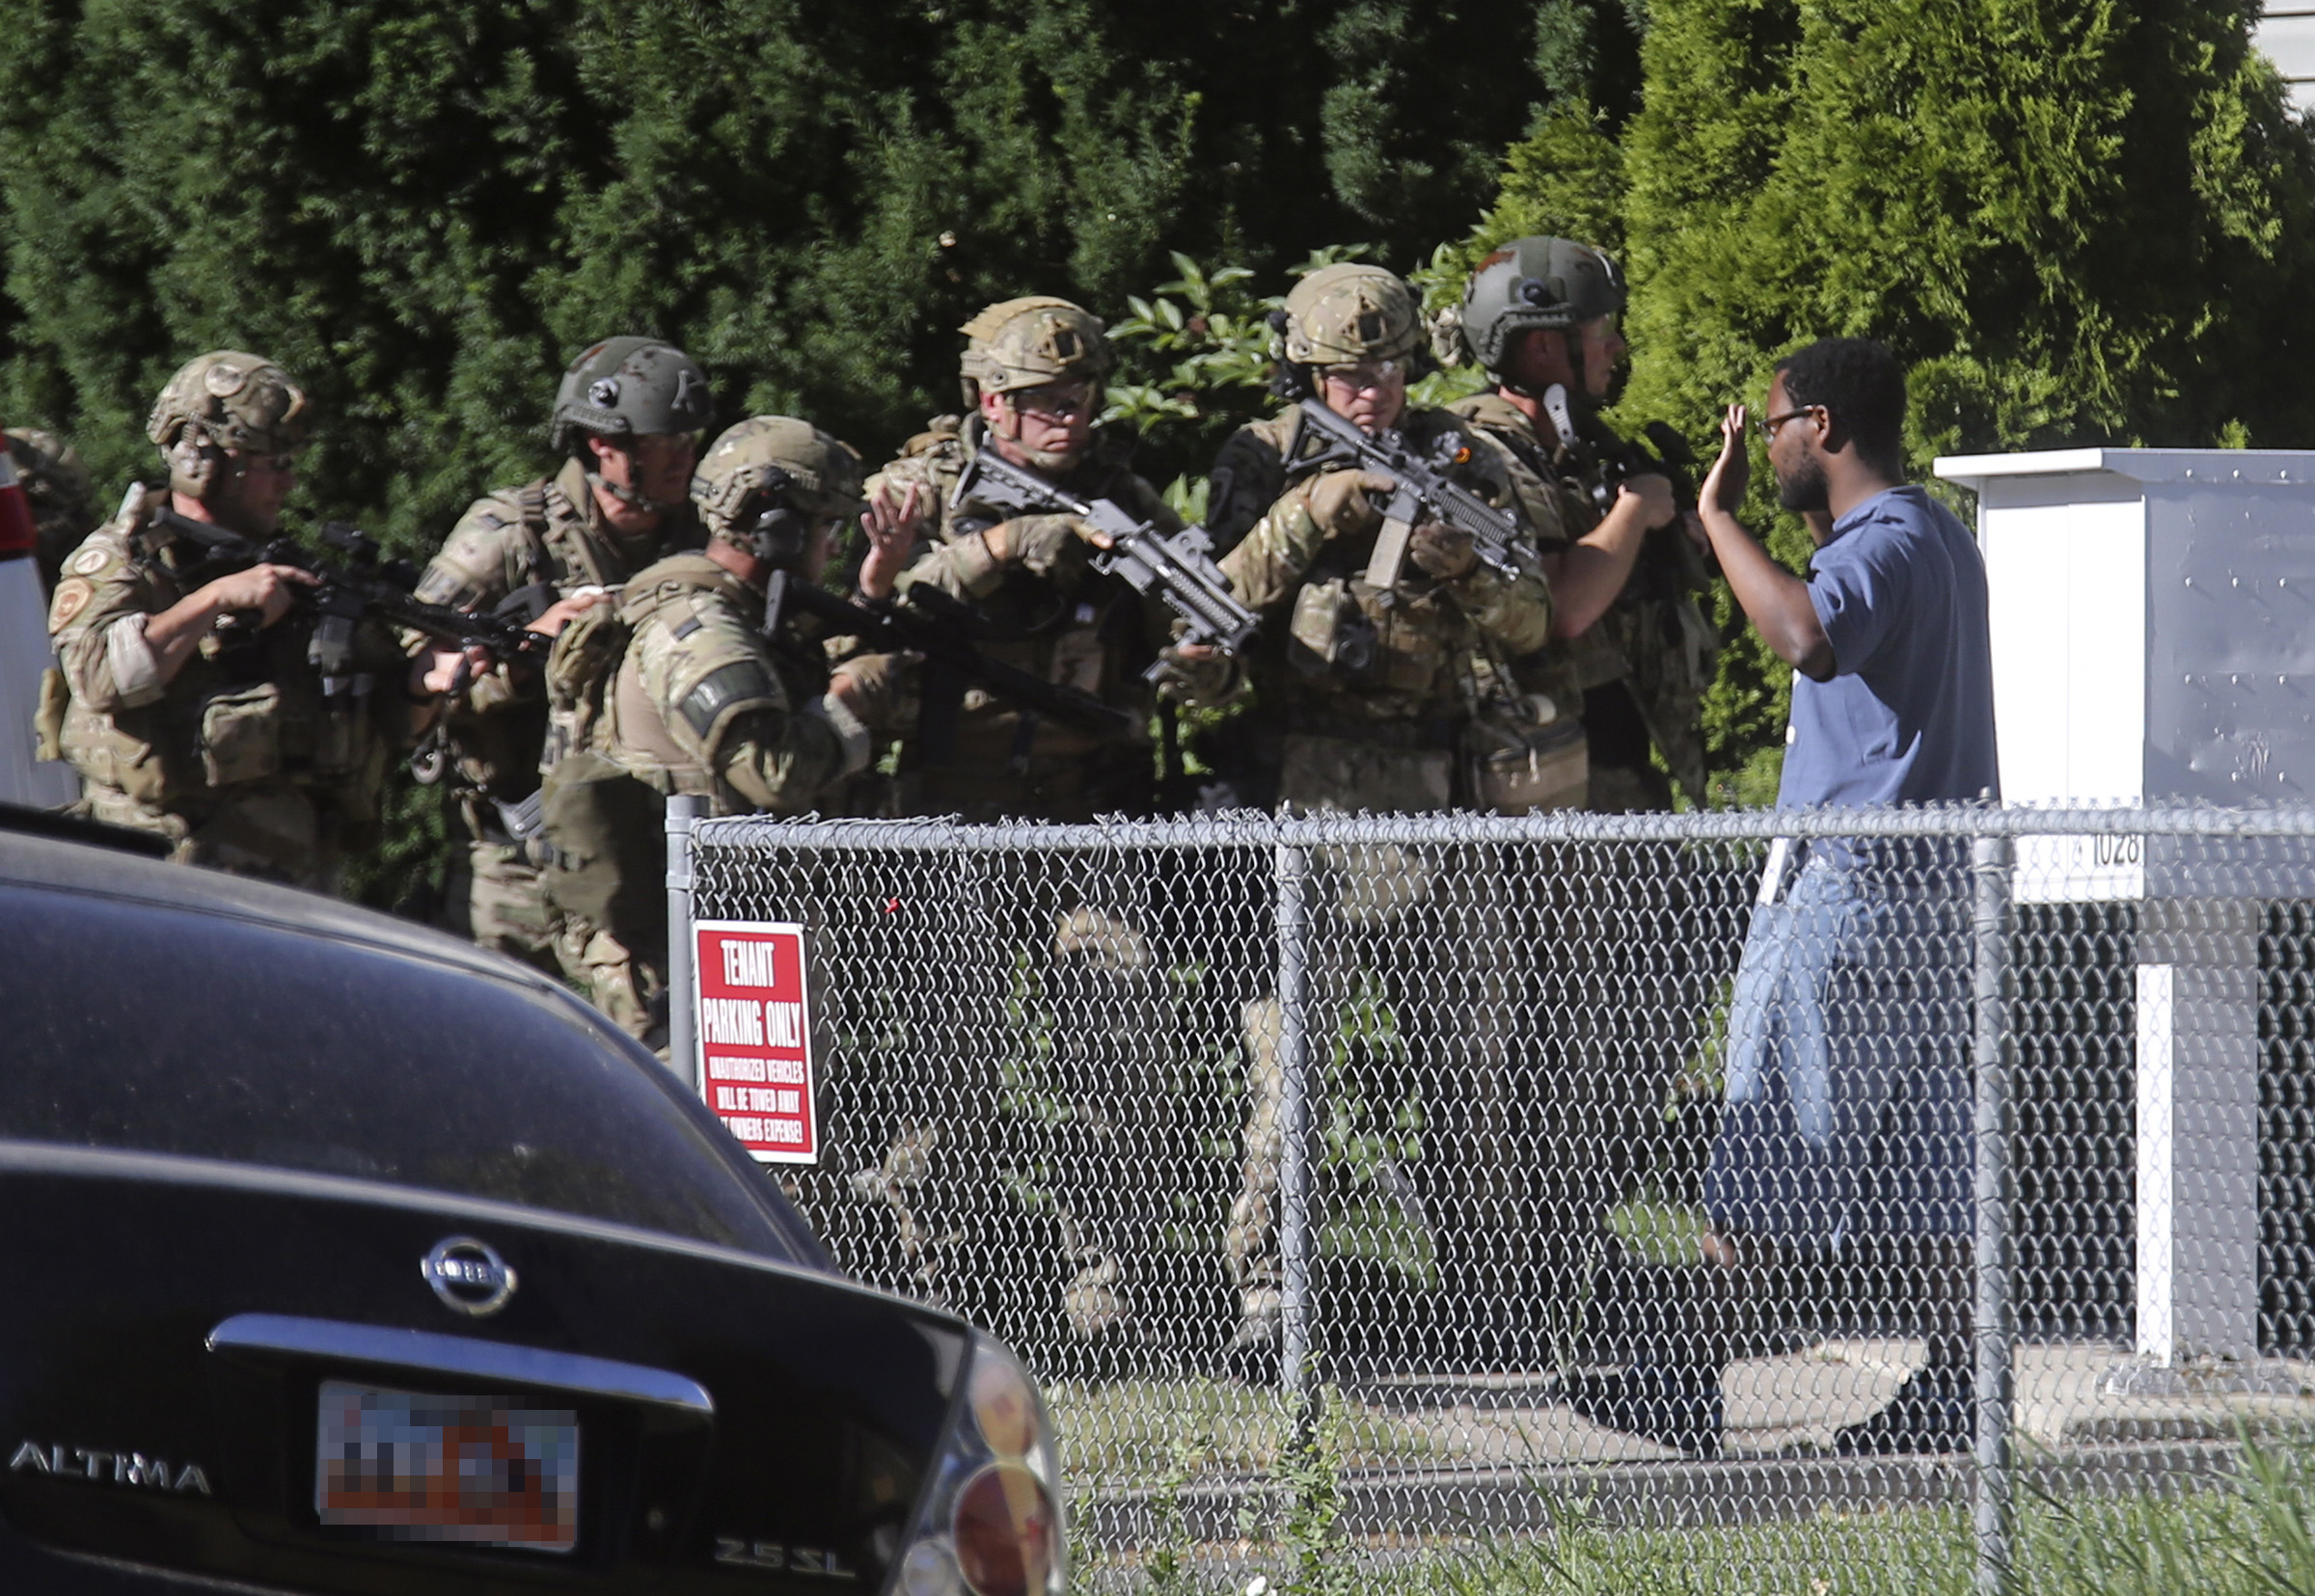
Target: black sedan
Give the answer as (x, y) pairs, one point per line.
(335, 1255)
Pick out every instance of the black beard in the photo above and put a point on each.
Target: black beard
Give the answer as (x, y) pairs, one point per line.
(1804, 490)
(1617, 378)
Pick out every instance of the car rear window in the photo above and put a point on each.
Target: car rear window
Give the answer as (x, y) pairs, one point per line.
(133, 1026)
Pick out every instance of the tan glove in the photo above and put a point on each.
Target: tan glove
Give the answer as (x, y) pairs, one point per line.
(1340, 504)
(1442, 550)
(1199, 679)
(879, 688)
(1045, 543)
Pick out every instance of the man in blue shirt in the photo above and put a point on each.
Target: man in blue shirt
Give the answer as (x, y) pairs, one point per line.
(1845, 1133)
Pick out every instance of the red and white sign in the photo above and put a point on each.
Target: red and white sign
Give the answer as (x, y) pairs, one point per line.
(754, 1027)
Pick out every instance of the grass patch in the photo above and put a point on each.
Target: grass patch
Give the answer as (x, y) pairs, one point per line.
(2250, 1540)
(1110, 1432)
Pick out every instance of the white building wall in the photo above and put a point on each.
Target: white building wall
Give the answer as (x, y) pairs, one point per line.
(2287, 35)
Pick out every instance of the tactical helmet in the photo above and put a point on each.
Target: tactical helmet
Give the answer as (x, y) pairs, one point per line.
(1535, 282)
(55, 477)
(630, 387)
(1031, 341)
(764, 477)
(226, 399)
(1346, 315)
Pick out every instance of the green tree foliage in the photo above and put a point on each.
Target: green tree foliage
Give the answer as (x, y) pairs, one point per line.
(2077, 222)
(424, 211)
(359, 190)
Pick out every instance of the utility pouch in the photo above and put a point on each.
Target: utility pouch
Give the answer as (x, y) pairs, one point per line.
(341, 732)
(1516, 764)
(608, 828)
(48, 719)
(1330, 633)
(241, 735)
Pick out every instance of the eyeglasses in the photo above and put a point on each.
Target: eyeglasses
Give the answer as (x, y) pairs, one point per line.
(1367, 377)
(1056, 404)
(1768, 424)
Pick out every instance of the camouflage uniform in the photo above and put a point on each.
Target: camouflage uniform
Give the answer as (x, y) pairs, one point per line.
(549, 531)
(1643, 667)
(1609, 942)
(1368, 696)
(57, 484)
(1043, 609)
(553, 531)
(1090, 967)
(245, 759)
(1340, 666)
(702, 703)
(697, 701)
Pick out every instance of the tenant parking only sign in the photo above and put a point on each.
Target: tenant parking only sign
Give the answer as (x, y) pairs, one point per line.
(755, 1036)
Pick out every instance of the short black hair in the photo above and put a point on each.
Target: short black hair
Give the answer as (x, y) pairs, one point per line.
(1861, 382)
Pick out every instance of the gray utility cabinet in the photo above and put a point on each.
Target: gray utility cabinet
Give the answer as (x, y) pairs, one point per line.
(2154, 639)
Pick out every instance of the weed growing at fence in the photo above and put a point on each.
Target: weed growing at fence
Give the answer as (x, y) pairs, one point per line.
(1171, 1572)
(1317, 1552)
(1109, 1430)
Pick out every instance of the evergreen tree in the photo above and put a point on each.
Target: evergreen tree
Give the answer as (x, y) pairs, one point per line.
(356, 189)
(424, 213)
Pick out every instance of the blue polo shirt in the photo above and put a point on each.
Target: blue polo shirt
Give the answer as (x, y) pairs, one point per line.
(1909, 714)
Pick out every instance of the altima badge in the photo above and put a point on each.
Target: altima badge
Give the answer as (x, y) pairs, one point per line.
(102, 1467)
(469, 1275)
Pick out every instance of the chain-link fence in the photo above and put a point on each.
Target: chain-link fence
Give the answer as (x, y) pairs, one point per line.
(1387, 1183)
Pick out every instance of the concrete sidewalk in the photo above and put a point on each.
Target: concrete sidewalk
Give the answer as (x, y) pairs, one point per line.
(1791, 1405)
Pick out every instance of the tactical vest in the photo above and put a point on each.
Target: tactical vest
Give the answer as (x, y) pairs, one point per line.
(610, 763)
(246, 708)
(1654, 639)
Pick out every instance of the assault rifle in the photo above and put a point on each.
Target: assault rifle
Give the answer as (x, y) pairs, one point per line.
(1179, 569)
(931, 624)
(364, 583)
(1420, 491)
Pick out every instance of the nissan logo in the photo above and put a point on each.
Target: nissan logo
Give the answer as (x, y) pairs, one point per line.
(469, 1275)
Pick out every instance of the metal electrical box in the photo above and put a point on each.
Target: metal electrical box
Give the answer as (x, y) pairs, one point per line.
(2153, 627)
(2153, 621)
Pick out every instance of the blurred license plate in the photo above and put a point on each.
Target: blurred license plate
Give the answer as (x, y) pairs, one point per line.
(478, 1469)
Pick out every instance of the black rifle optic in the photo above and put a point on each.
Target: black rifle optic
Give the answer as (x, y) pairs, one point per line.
(931, 624)
(1179, 569)
(364, 583)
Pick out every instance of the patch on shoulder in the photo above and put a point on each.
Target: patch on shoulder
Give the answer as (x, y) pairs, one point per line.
(91, 558)
(73, 596)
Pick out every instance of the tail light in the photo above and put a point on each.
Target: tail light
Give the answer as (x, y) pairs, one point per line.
(991, 1524)
(16, 531)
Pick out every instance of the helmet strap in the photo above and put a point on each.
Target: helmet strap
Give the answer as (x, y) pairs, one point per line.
(625, 495)
(1563, 420)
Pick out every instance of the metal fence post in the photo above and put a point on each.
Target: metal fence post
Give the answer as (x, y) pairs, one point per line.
(683, 1051)
(1290, 867)
(1993, 1334)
